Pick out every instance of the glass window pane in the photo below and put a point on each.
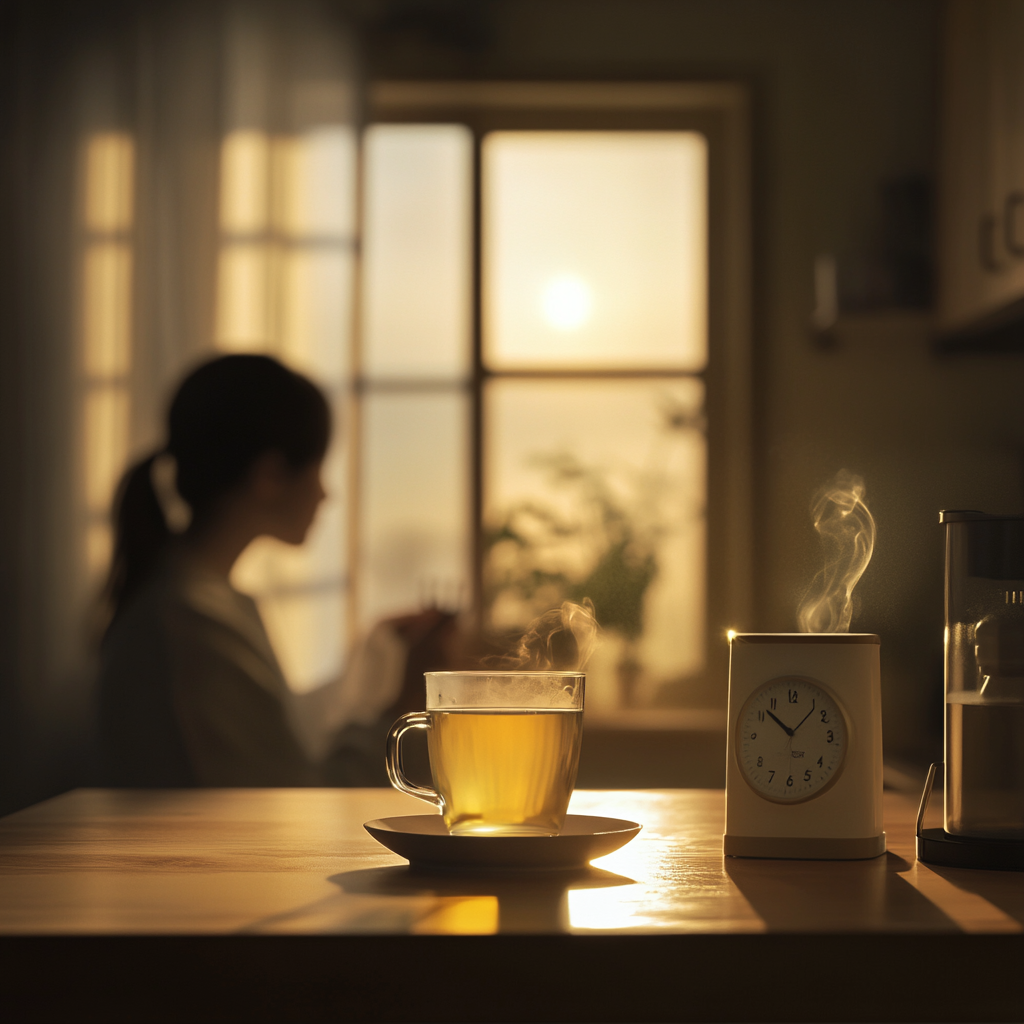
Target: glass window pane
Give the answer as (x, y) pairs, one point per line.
(315, 174)
(595, 249)
(316, 312)
(417, 243)
(414, 508)
(597, 489)
(243, 299)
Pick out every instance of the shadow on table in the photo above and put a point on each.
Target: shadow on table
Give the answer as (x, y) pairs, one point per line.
(531, 901)
(836, 896)
(1003, 889)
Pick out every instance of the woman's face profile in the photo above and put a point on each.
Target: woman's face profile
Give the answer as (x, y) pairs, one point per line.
(288, 498)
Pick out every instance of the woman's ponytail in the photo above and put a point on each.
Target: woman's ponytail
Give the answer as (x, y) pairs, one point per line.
(225, 415)
(140, 534)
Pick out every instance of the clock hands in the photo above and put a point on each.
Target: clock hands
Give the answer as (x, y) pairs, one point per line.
(804, 719)
(785, 728)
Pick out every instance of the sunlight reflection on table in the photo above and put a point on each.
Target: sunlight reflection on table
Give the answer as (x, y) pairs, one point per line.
(660, 860)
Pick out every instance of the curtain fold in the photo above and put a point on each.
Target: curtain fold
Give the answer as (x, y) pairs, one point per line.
(117, 194)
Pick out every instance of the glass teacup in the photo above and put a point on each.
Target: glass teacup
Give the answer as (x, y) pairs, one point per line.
(504, 749)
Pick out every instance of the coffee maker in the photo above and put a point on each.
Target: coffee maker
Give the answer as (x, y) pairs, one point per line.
(984, 742)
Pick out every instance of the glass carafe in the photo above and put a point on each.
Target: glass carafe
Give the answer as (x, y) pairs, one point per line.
(984, 762)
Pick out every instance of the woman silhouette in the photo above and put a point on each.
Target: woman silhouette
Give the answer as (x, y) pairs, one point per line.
(190, 691)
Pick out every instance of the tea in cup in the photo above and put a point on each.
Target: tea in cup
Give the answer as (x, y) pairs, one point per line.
(504, 749)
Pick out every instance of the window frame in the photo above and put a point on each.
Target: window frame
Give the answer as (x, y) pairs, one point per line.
(718, 110)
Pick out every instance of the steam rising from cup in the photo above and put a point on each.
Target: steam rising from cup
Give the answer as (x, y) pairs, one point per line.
(847, 532)
(560, 640)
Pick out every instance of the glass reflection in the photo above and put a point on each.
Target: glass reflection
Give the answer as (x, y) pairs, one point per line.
(605, 909)
(473, 915)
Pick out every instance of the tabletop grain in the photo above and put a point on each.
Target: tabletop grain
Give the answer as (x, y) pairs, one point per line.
(186, 871)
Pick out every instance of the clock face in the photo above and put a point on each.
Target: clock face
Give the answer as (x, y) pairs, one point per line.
(791, 739)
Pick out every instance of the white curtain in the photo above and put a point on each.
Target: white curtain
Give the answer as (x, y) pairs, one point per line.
(179, 181)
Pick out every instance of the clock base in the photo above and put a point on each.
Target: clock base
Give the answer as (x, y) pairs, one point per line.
(790, 848)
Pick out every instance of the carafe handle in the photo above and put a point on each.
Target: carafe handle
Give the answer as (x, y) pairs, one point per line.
(926, 796)
(395, 766)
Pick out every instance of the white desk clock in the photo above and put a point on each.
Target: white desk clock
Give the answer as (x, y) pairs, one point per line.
(804, 772)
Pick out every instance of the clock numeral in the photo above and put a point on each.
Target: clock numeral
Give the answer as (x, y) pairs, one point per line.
(760, 762)
(807, 775)
(819, 762)
(789, 781)
(771, 774)
(774, 703)
(824, 716)
(830, 735)
(760, 716)
(792, 696)
(753, 735)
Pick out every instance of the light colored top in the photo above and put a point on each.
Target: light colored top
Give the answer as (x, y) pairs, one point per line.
(191, 692)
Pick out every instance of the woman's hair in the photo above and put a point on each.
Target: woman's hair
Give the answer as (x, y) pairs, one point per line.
(225, 415)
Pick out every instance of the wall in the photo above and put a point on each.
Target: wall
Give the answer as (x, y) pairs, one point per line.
(846, 98)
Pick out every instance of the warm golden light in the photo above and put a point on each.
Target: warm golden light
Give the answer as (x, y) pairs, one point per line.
(312, 176)
(105, 442)
(471, 915)
(731, 635)
(415, 504)
(608, 230)
(243, 314)
(616, 908)
(106, 309)
(109, 180)
(315, 310)
(570, 468)
(98, 548)
(244, 186)
(417, 258)
(105, 332)
(567, 301)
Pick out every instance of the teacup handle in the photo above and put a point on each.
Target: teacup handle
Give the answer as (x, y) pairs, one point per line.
(396, 769)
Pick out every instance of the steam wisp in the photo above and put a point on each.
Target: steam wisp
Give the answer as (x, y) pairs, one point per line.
(847, 532)
(560, 640)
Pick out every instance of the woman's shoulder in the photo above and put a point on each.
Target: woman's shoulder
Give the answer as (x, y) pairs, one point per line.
(194, 622)
(178, 601)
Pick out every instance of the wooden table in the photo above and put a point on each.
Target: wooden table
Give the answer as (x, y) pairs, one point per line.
(276, 905)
